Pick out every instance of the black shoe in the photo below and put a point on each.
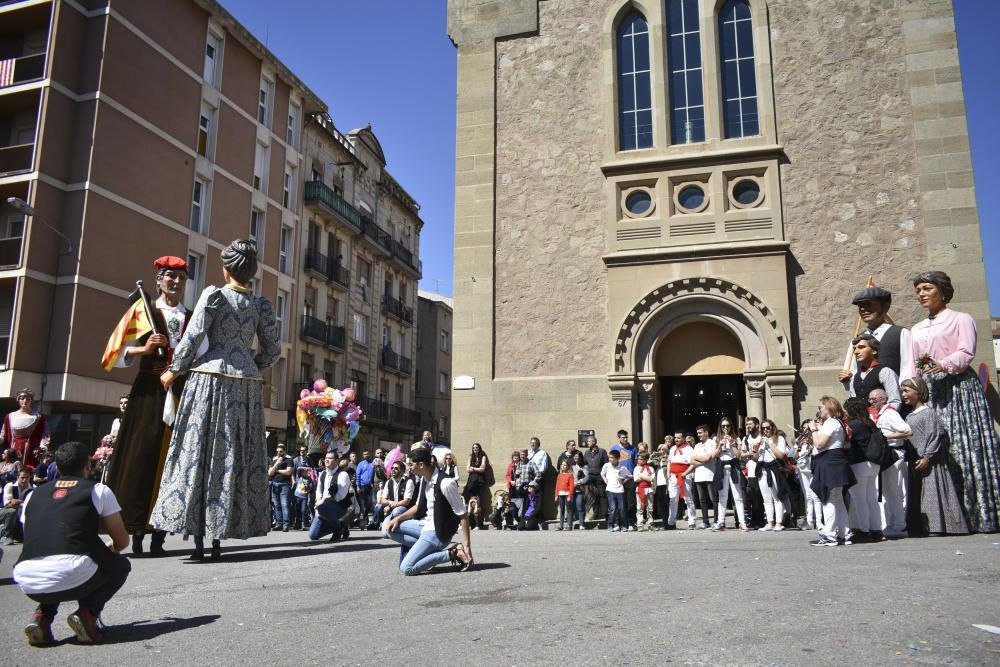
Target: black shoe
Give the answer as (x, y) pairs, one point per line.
(197, 555)
(216, 550)
(157, 551)
(137, 544)
(345, 533)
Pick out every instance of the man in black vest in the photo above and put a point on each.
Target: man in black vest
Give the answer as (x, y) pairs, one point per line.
(64, 557)
(333, 499)
(443, 511)
(871, 374)
(896, 349)
(397, 492)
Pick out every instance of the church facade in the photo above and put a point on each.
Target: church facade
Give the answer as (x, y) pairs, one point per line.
(664, 207)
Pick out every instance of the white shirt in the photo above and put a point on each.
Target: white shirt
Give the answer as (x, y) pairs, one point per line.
(838, 438)
(767, 448)
(449, 488)
(174, 316)
(888, 422)
(540, 459)
(705, 472)
(613, 476)
(748, 444)
(327, 479)
(52, 574)
(907, 369)
(8, 492)
(643, 471)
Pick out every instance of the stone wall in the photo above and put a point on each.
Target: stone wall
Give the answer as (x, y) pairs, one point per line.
(551, 288)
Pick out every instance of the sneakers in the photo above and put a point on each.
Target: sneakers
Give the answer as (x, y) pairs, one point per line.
(778, 528)
(616, 529)
(39, 631)
(85, 626)
(691, 526)
(632, 529)
(702, 526)
(824, 541)
(718, 528)
(766, 528)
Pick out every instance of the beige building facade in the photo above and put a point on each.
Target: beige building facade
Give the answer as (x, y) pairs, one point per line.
(664, 208)
(435, 312)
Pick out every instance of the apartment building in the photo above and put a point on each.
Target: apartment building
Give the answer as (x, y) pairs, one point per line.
(356, 305)
(434, 313)
(135, 129)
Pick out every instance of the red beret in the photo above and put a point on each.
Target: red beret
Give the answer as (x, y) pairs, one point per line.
(170, 262)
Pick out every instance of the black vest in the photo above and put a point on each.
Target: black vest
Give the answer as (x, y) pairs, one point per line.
(61, 519)
(888, 351)
(346, 502)
(419, 488)
(870, 382)
(397, 487)
(445, 521)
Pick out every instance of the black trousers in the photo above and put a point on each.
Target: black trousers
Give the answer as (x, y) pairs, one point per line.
(597, 498)
(112, 571)
(662, 504)
(630, 503)
(754, 502)
(528, 522)
(707, 496)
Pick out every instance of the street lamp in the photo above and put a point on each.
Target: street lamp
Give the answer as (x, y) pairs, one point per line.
(27, 209)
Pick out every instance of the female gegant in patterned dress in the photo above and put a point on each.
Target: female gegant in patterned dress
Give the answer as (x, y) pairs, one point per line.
(215, 477)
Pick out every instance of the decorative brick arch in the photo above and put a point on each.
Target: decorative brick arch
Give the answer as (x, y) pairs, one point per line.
(745, 315)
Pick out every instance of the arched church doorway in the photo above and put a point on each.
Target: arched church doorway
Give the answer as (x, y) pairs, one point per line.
(699, 368)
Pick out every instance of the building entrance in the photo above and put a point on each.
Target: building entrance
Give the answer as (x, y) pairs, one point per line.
(700, 399)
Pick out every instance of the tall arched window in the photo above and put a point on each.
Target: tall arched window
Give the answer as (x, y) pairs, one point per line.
(635, 106)
(739, 77)
(687, 103)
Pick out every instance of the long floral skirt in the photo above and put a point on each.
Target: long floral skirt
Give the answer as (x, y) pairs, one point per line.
(965, 415)
(214, 480)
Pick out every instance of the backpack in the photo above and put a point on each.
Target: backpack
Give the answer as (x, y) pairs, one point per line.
(877, 449)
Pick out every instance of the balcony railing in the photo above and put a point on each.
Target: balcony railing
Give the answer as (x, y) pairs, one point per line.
(395, 362)
(318, 192)
(26, 68)
(404, 256)
(384, 411)
(318, 331)
(327, 268)
(14, 159)
(393, 306)
(377, 235)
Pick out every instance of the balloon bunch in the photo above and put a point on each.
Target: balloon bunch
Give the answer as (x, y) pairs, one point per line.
(328, 417)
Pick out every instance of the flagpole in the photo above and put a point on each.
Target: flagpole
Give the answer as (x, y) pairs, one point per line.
(160, 352)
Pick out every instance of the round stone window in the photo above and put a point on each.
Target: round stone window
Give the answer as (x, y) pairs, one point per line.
(691, 198)
(638, 203)
(745, 193)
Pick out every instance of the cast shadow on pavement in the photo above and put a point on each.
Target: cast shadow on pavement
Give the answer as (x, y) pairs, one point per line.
(140, 631)
(476, 567)
(7, 581)
(315, 549)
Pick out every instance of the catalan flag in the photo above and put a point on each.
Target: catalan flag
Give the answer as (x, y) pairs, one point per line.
(134, 324)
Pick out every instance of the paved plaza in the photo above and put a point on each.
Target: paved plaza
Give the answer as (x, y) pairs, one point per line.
(683, 597)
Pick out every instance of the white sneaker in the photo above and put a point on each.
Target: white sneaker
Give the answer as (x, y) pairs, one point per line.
(778, 528)
(766, 528)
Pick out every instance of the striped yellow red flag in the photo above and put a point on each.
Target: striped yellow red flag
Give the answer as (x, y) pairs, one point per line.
(134, 324)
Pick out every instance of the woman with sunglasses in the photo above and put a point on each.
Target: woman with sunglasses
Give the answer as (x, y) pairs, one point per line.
(729, 477)
(773, 486)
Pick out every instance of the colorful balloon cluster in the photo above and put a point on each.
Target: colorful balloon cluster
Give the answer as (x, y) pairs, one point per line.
(328, 417)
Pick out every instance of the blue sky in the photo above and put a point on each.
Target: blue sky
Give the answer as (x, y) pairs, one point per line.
(390, 63)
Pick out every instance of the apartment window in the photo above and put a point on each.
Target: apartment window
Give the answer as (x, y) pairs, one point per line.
(445, 341)
(260, 168)
(310, 300)
(739, 80)
(7, 297)
(284, 248)
(364, 277)
(399, 393)
(281, 313)
(306, 368)
(213, 59)
(254, 286)
(333, 310)
(292, 136)
(256, 233)
(360, 323)
(206, 128)
(196, 277)
(264, 101)
(199, 202)
(687, 104)
(386, 337)
(13, 227)
(288, 189)
(278, 381)
(635, 106)
(443, 383)
(400, 342)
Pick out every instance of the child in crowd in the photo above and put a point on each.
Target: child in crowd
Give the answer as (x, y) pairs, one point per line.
(564, 494)
(643, 477)
(503, 512)
(614, 474)
(303, 492)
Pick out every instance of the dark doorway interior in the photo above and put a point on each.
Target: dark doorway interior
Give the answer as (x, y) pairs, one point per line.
(691, 400)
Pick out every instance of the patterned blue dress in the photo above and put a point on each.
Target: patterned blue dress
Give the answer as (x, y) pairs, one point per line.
(214, 480)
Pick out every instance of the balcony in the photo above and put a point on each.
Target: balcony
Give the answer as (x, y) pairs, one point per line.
(25, 69)
(318, 331)
(10, 252)
(383, 411)
(327, 268)
(395, 362)
(396, 308)
(404, 257)
(320, 194)
(16, 159)
(378, 237)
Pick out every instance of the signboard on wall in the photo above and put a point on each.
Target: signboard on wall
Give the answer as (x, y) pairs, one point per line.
(583, 434)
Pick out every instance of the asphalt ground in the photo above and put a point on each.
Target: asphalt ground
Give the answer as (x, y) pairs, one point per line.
(549, 597)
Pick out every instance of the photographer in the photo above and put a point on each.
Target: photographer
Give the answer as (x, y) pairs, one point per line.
(280, 475)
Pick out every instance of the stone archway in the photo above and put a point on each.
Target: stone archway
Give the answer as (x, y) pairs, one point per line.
(769, 374)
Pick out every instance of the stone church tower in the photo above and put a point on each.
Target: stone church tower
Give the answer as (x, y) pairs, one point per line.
(664, 207)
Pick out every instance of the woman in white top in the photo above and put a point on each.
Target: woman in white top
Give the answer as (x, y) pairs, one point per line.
(771, 454)
(729, 476)
(831, 471)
